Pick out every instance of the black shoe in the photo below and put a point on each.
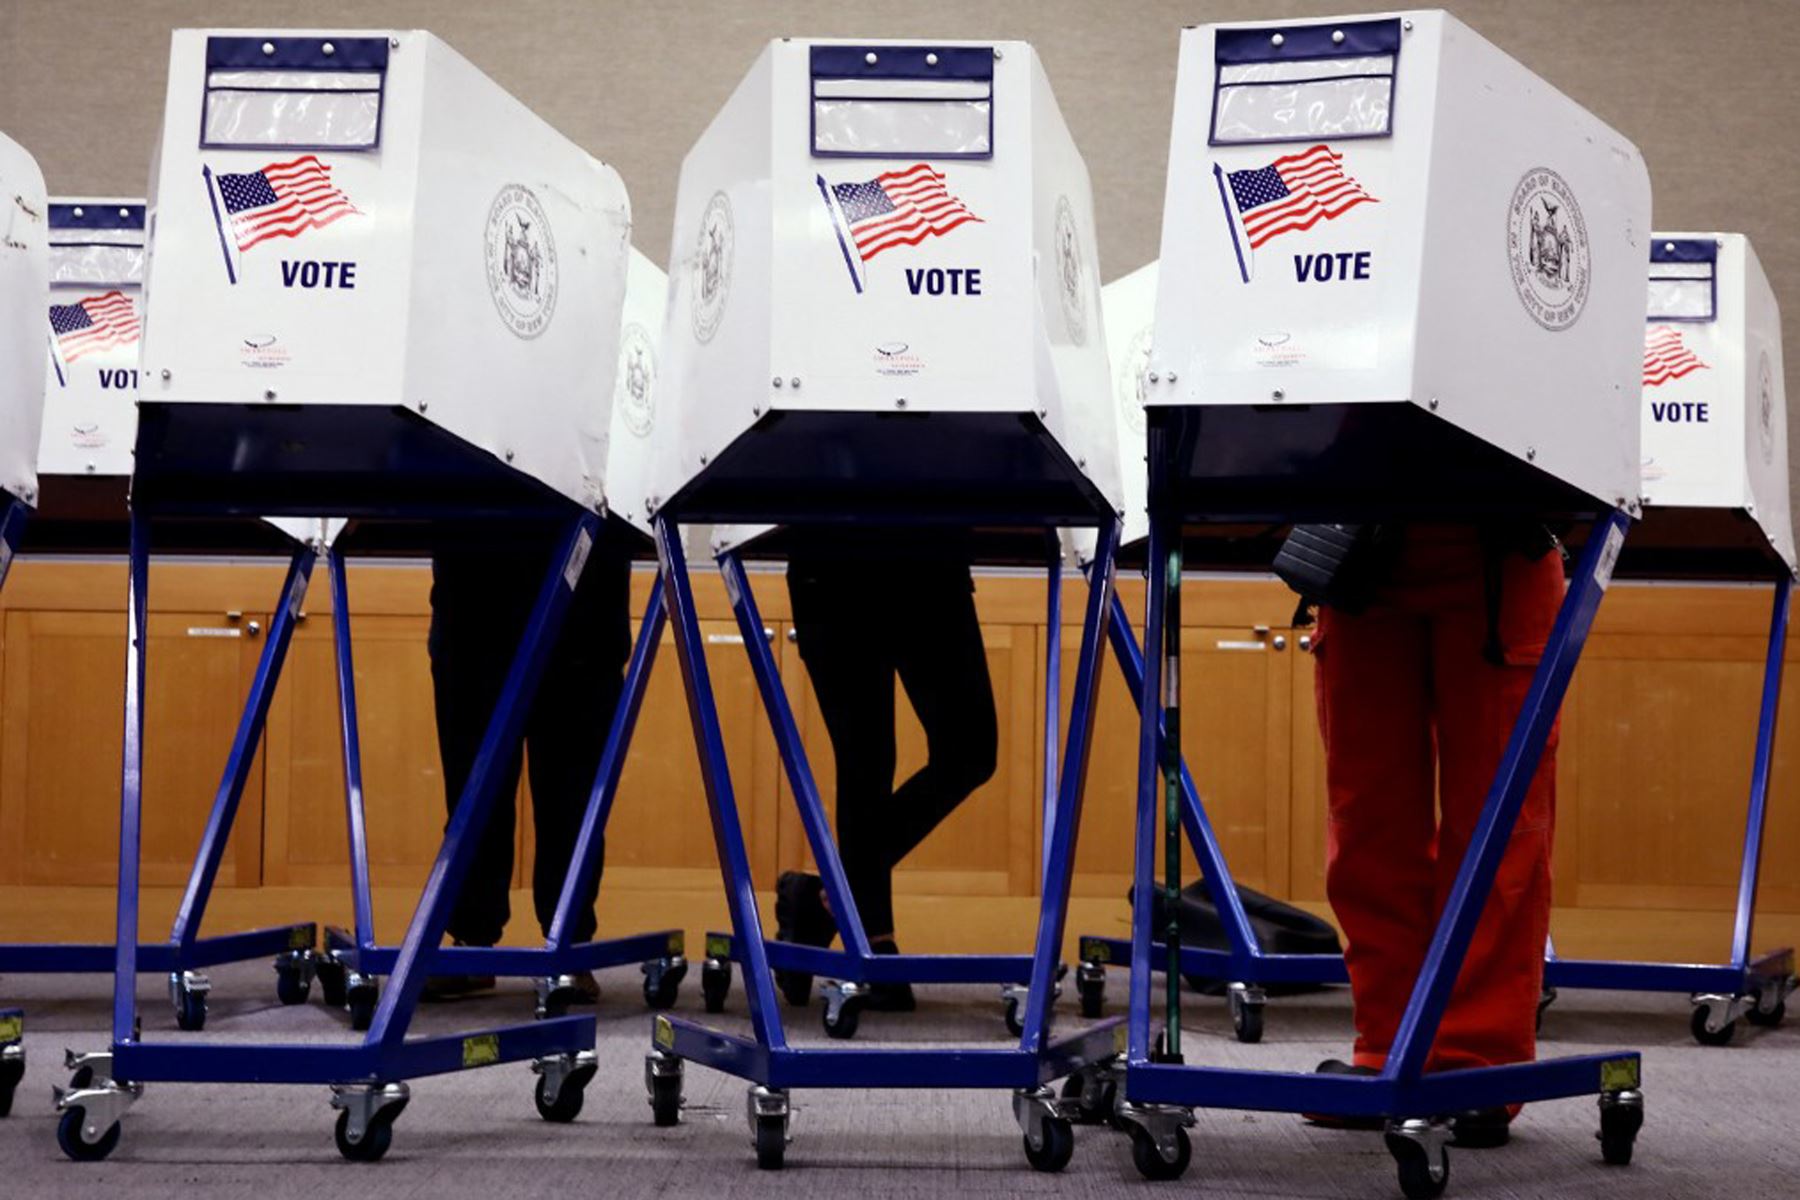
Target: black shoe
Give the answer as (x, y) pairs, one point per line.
(441, 988)
(1481, 1128)
(802, 918)
(587, 988)
(890, 997)
(1337, 1066)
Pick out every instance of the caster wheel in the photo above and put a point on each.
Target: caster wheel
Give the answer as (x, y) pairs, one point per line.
(1420, 1177)
(1100, 1111)
(715, 986)
(83, 1077)
(72, 1137)
(665, 1100)
(1708, 1037)
(849, 1015)
(1247, 1022)
(1057, 1149)
(292, 986)
(1092, 991)
(361, 1002)
(771, 1143)
(1149, 1160)
(190, 1012)
(662, 983)
(1770, 1019)
(796, 988)
(333, 983)
(375, 1140)
(568, 1101)
(1015, 1018)
(1618, 1134)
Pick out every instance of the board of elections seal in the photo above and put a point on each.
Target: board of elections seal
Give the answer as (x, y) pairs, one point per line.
(1547, 249)
(1130, 384)
(712, 267)
(637, 372)
(521, 260)
(1765, 407)
(1069, 272)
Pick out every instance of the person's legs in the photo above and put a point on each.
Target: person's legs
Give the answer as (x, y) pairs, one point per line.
(1371, 685)
(570, 717)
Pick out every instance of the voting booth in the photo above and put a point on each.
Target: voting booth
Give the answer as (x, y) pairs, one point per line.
(883, 310)
(1400, 276)
(1715, 495)
(383, 290)
(96, 322)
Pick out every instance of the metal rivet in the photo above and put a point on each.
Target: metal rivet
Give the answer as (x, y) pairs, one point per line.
(1531, 454)
(1153, 377)
(704, 460)
(755, 410)
(125, 213)
(422, 406)
(1337, 37)
(775, 382)
(1432, 403)
(931, 60)
(509, 456)
(328, 49)
(1081, 464)
(1171, 377)
(268, 47)
(393, 43)
(165, 374)
(900, 402)
(269, 395)
(79, 211)
(1277, 40)
(1278, 394)
(90, 468)
(1668, 247)
(1407, 25)
(999, 53)
(794, 383)
(870, 58)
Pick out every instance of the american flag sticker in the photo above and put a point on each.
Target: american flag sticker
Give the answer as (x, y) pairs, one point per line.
(92, 324)
(896, 208)
(1666, 356)
(1291, 194)
(282, 200)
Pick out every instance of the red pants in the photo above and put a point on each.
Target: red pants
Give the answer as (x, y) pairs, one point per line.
(1415, 721)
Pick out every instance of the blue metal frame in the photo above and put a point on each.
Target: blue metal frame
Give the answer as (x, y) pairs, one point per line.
(1740, 974)
(384, 1054)
(766, 1057)
(1402, 1089)
(359, 950)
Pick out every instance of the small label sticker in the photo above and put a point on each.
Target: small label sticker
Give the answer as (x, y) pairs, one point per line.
(677, 942)
(584, 542)
(718, 946)
(213, 631)
(724, 639)
(1620, 1074)
(1095, 950)
(1227, 645)
(1609, 556)
(481, 1050)
(12, 1028)
(300, 937)
(664, 1035)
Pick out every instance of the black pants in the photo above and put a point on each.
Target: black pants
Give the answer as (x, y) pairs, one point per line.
(858, 626)
(482, 593)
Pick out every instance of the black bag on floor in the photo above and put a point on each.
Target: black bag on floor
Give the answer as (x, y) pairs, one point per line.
(1280, 929)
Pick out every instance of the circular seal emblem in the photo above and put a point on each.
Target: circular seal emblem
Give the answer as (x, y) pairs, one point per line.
(1069, 271)
(1547, 247)
(637, 372)
(1765, 407)
(1130, 383)
(521, 260)
(712, 267)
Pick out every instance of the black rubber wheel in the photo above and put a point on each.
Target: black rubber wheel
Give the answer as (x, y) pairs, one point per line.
(190, 1012)
(715, 987)
(1149, 1160)
(292, 986)
(665, 1100)
(1093, 996)
(796, 987)
(361, 1003)
(1015, 1018)
(1058, 1147)
(568, 1100)
(83, 1077)
(333, 979)
(1247, 1022)
(771, 1143)
(375, 1140)
(1618, 1134)
(1100, 1111)
(10, 1074)
(1418, 1180)
(69, 1137)
(849, 1015)
(1707, 1037)
(662, 985)
(1770, 1019)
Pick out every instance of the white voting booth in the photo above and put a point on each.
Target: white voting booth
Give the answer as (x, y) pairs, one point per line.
(383, 290)
(24, 271)
(96, 322)
(634, 444)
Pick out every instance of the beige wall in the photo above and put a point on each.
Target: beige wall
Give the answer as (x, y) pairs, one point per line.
(1708, 88)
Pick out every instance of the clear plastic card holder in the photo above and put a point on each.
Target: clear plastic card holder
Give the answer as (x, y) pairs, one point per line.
(1308, 83)
(293, 93)
(902, 102)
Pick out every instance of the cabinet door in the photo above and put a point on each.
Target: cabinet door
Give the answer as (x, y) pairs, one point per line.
(63, 737)
(989, 844)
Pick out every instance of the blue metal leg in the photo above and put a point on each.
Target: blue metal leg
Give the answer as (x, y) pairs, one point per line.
(715, 774)
(505, 727)
(352, 748)
(1150, 735)
(131, 790)
(1759, 774)
(1052, 696)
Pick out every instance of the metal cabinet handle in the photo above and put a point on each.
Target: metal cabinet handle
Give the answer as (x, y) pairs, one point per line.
(254, 628)
(1280, 642)
(1306, 641)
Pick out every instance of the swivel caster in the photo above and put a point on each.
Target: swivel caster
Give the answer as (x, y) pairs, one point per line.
(90, 1128)
(361, 993)
(556, 994)
(1247, 1001)
(1546, 998)
(294, 972)
(1090, 986)
(1621, 1116)
(1049, 1135)
(365, 1124)
(1013, 996)
(332, 974)
(715, 983)
(1421, 1153)
(662, 1080)
(1714, 1022)
(768, 1111)
(187, 992)
(1090, 1096)
(662, 981)
(1159, 1142)
(562, 1084)
(844, 1004)
(1770, 1004)
(83, 1140)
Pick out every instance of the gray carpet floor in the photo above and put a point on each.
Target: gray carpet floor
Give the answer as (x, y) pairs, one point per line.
(1721, 1122)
